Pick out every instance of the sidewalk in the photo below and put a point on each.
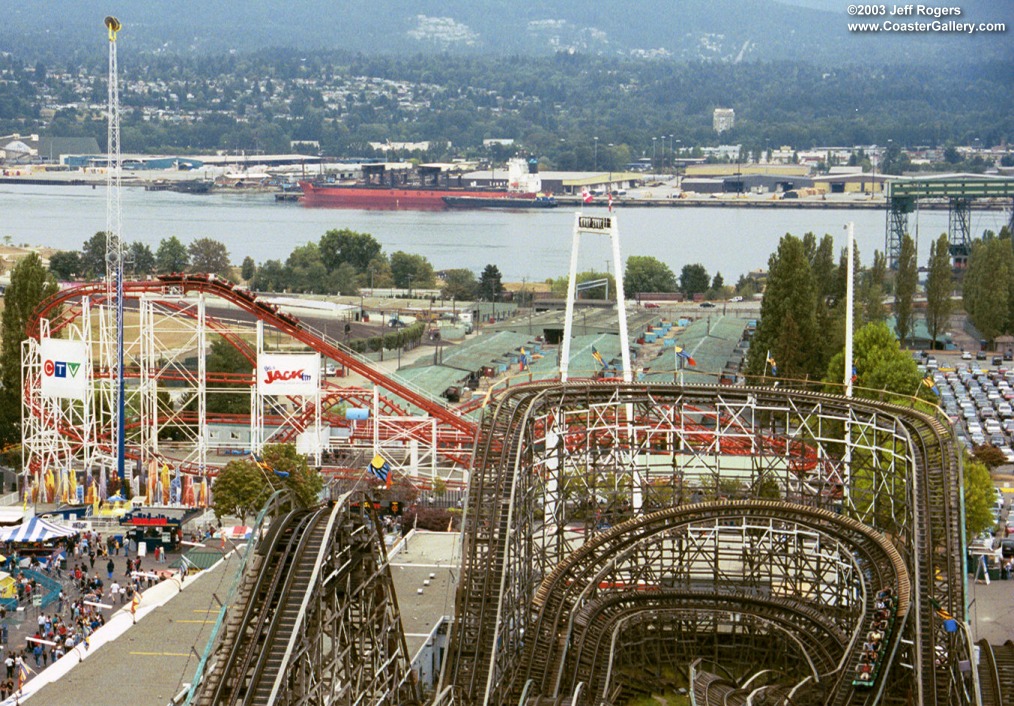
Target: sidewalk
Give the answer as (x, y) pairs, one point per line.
(146, 663)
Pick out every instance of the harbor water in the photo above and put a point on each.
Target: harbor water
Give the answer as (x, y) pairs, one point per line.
(524, 245)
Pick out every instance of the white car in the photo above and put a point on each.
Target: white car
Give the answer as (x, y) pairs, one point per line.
(966, 355)
(736, 299)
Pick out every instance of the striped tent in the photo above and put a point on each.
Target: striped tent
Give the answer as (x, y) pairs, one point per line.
(35, 529)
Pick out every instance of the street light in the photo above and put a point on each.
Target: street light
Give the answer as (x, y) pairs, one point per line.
(676, 163)
(596, 167)
(653, 153)
(671, 150)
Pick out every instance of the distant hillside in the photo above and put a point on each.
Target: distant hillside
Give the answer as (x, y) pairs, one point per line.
(719, 30)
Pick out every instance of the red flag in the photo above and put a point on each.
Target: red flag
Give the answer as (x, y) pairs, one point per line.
(610, 201)
(586, 195)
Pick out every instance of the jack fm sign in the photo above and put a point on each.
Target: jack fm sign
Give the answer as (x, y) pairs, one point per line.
(64, 369)
(288, 374)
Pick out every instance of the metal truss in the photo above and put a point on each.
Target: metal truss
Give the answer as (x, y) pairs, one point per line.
(557, 466)
(57, 434)
(168, 388)
(316, 620)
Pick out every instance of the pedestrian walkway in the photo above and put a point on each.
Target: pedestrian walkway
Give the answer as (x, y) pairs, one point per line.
(144, 663)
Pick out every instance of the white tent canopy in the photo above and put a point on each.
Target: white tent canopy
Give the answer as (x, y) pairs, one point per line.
(34, 530)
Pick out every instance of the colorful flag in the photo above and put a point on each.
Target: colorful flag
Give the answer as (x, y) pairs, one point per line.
(931, 384)
(680, 353)
(137, 600)
(598, 357)
(23, 672)
(855, 374)
(380, 469)
(586, 195)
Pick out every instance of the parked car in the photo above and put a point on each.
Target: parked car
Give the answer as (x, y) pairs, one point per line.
(706, 305)
(1007, 547)
(966, 355)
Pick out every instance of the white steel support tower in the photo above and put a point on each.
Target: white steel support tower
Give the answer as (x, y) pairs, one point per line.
(595, 225)
(58, 432)
(286, 409)
(171, 331)
(112, 353)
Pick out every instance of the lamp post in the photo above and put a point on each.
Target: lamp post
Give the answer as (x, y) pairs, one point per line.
(675, 162)
(653, 153)
(672, 146)
(596, 162)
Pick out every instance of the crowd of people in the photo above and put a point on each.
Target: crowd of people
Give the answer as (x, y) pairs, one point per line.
(68, 622)
(884, 607)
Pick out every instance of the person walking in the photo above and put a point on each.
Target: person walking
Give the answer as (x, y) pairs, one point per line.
(110, 567)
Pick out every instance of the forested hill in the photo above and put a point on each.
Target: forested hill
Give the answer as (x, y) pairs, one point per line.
(712, 30)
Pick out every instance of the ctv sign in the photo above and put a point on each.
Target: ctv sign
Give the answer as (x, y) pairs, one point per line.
(64, 371)
(288, 374)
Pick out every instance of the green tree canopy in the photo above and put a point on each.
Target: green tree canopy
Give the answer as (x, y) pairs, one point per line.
(242, 487)
(357, 249)
(987, 285)
(248, 269)
(978, 497)
(694, 279)
(788, 326)
(209, 255)
(171, 256)
(140, 260)
(459, 284)
(490, 285)
(880, 366)
(65, 265)
(411, 271)
(647, 274)
(939, 287)
(93, 256)
(240, 490)
(30, 285)
(905, 282)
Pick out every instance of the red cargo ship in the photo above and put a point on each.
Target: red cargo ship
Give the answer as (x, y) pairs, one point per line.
(397, 186)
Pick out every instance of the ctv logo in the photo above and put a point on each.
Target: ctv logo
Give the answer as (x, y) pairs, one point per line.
(272, 374)
(60, 368)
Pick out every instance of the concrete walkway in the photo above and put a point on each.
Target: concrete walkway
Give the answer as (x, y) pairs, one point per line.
(147, 663)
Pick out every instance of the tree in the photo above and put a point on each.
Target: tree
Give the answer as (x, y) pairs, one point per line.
(240, 490)
(880, 366)
(248, 269)
(30, 285)
(978, 497)
(872, 289)
(140, 260)
(65, 265)
(357, 249)
(647, 274)
(459, 284)
(171, 256)
(987, 285)
(694, 279)
(411, 270)
(938, 288)
(93, 256)
(290, 470)
(718, 282)
(490, 286)
(788, 327)
(905, 282)
(223, 357)
(208, 255)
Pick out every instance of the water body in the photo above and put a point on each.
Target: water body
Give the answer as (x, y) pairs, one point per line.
(532, 245)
